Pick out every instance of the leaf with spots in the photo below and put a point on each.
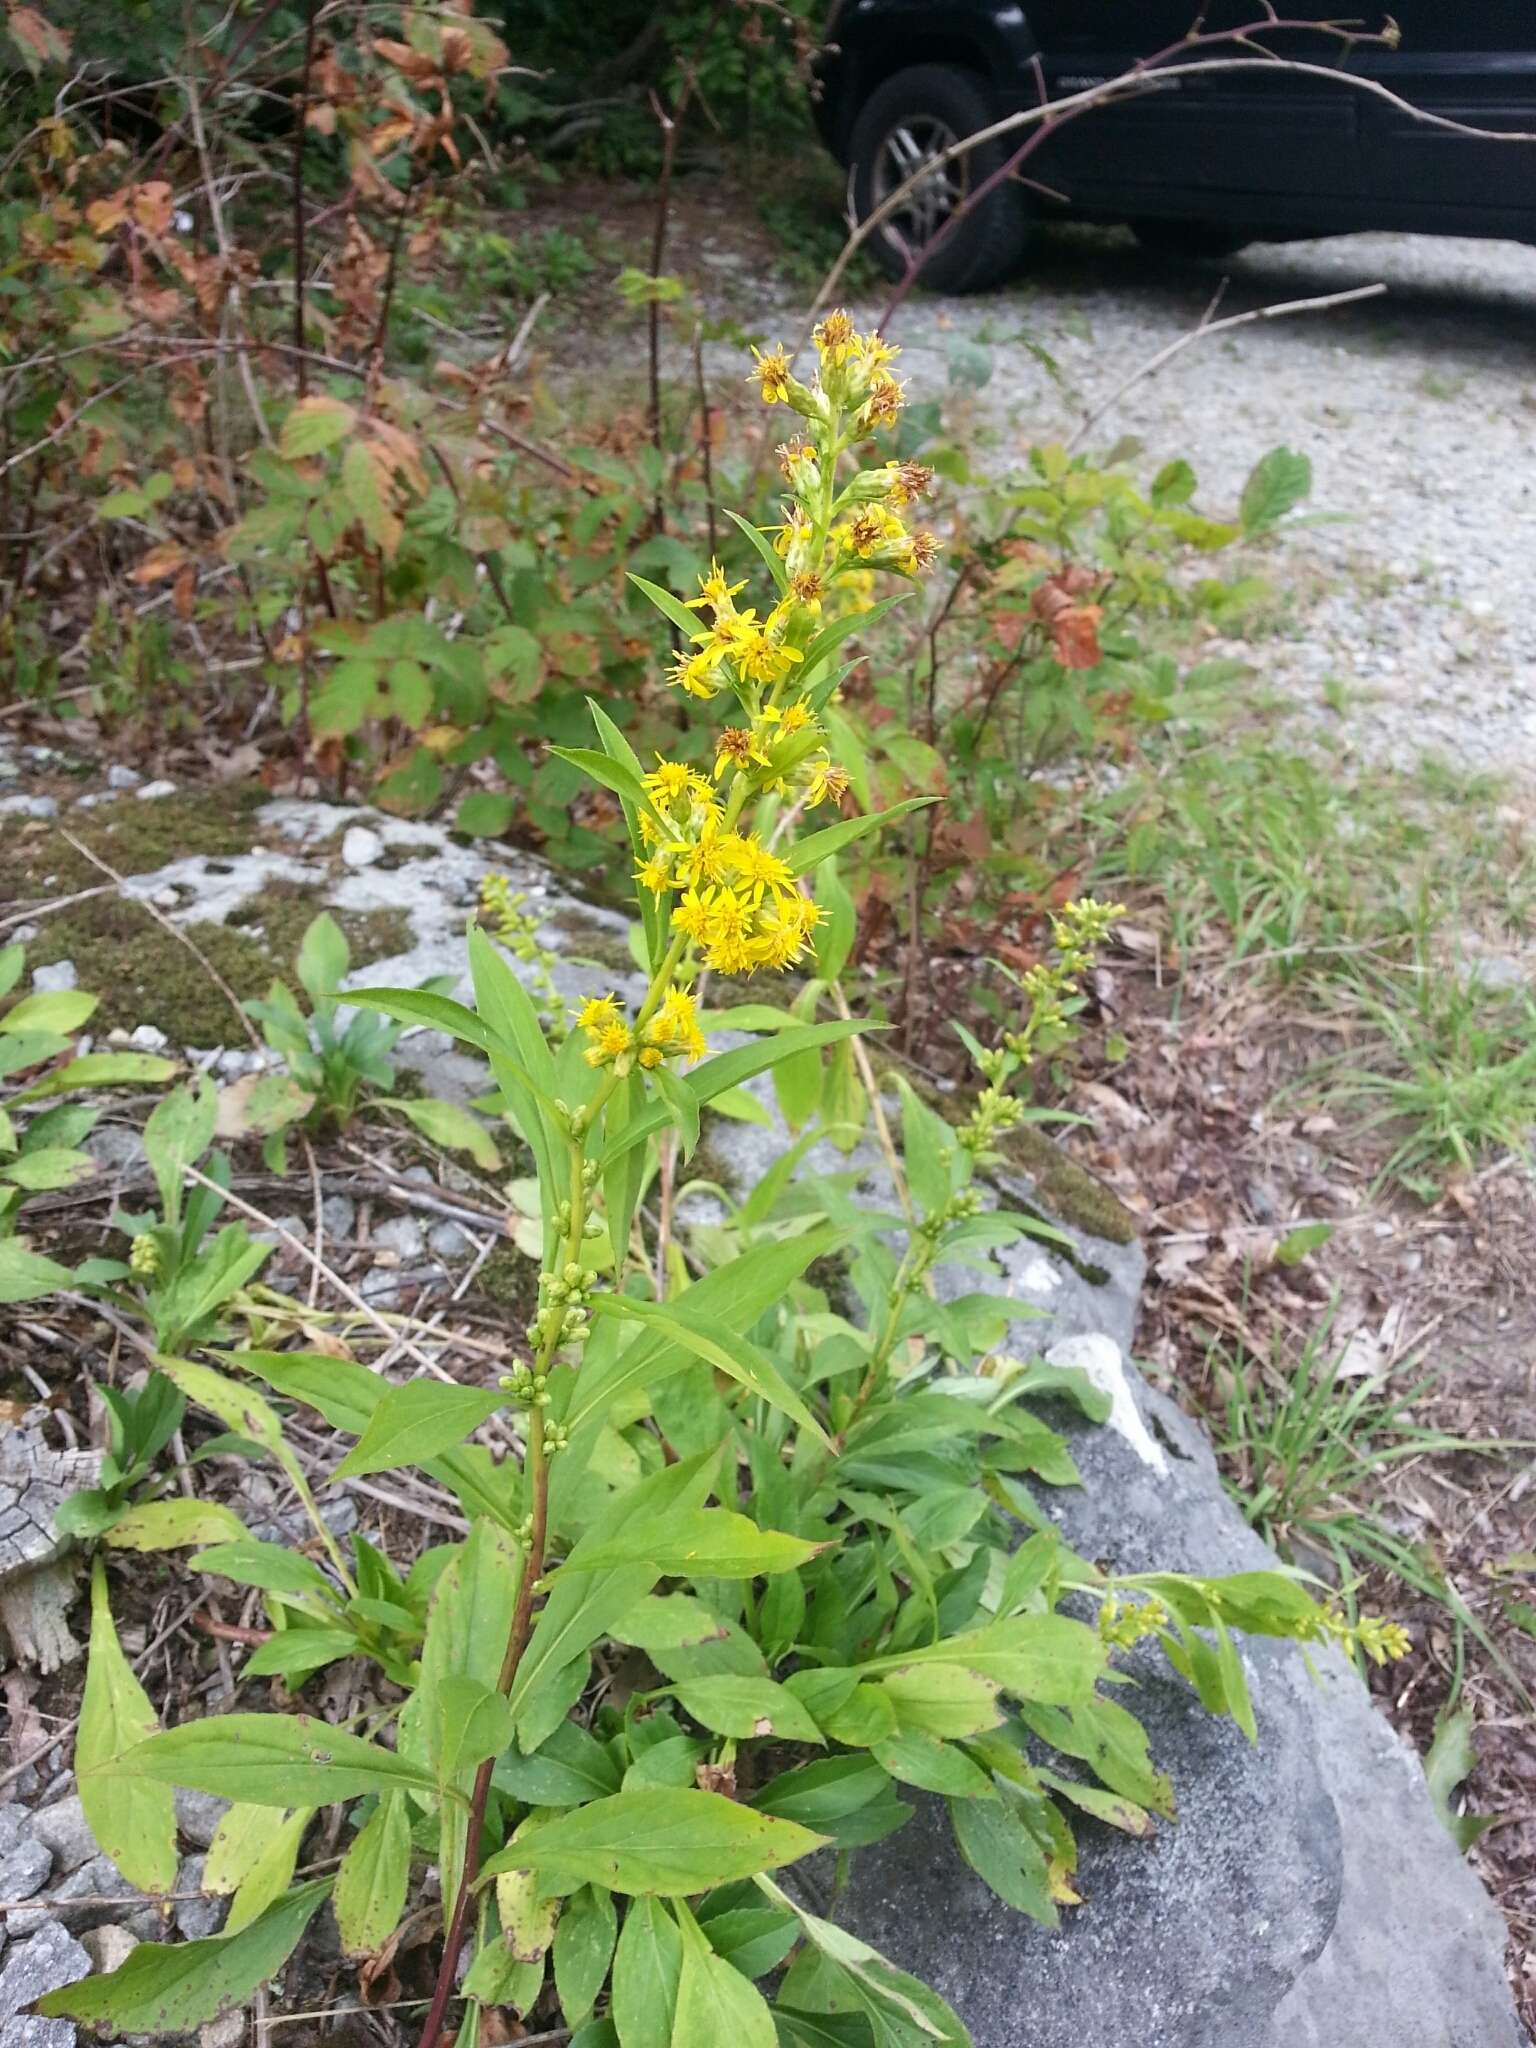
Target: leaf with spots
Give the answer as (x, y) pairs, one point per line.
(133, 1819)
(164, 1989)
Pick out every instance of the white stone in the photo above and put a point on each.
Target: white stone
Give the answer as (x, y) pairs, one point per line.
(29, 807)
(152, 791)
(148, 1038)
(360, 847)
(119, 777)
(51, 980)
(1100, 1359)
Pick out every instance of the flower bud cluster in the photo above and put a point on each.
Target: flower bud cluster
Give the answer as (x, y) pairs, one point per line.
(562, 1316)
(144, 1256)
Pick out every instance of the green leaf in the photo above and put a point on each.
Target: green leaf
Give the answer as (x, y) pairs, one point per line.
(659, 1841)
(614, 775)
(1298, 1243)
(647, 1968)
(706, 1543)
(99, 1070)
(485, 813)
(768, 554)
(1452, 1759)
(295, 1652)
(27, 1275)
(1006, 1856)
(805, 854)
(884, 1992)
(179, 1132)
(669, 606)
(740, 1706)
(447, 1124)
(50, 1010)
(324, 957)
(735, 1293)
(172, 1524)
(374, 1877)
(270, 1873)
(570, 1768)
(943, 1700)
(240, 1840)
(682, 1324)
(584, 1942)
(315, 424)
(415, 1422)
(270, 1760)
(617, 748)
(1276, 485)
(134, 1822)
(730, 1069)
(933, 1766)
(271, 1566)
(170, 1989)
(715, 2003)
(1034, 1656)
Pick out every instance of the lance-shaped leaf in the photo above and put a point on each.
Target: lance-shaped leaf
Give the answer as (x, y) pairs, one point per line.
(681, 1323)
(729, 1070)
(170, 1989)
(707, 1543)
(657, 1840)
(417, 1421)
(270, 1760)
(133, 1820)
(374, 1875)
(806, 853)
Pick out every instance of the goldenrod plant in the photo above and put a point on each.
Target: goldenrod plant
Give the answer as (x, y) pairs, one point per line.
(873, 1627)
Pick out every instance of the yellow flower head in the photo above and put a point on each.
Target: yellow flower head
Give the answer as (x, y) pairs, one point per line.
(826, 782)
(652, 874)
(765, 660)
(714, 591)
(874, 352)
(670, 781)
(698, 674)
(676, 1026)
(807, 588)
(874, 529)
(757, 869)
(690, 914)
(608, 1044)
(909, 482)
(599, 1014)
(737, 749)
(772, 372)
(921, 551)
(836, 339)
(885, 400)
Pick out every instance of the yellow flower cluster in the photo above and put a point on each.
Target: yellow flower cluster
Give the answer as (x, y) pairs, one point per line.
(831, 542)
(674, 1029)
(735, 899)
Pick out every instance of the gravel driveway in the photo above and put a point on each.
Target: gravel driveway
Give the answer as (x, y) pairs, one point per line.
(1418, 410)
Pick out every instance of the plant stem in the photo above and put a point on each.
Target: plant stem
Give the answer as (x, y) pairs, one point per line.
(536, 1468)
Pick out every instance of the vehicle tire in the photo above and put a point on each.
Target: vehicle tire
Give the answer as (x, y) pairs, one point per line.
(1198, 240)
(914, 115)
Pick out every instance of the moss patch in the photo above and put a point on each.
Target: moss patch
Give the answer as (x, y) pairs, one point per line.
(133, 836)
(1069, 1191)
(511, 1280)
(585, 938)
(144, 976)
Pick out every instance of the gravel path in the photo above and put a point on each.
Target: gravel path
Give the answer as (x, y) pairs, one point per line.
(1418, 592)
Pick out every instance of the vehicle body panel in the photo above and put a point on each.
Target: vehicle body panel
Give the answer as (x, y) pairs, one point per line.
(1272, 152)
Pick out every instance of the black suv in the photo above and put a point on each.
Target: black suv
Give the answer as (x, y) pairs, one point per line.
(1198, 163)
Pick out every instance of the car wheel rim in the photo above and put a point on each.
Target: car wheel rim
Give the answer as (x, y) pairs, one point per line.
(915, 146)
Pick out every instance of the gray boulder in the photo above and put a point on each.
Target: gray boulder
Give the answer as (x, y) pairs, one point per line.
(1306, 1897)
